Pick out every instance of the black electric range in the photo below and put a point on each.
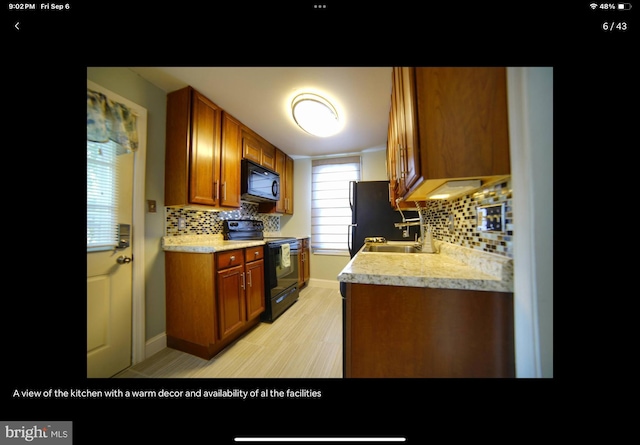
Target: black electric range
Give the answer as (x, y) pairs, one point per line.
(280, 264)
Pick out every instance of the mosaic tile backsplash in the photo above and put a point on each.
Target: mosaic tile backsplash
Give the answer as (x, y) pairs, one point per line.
(436, 213)
(463, 209)
(209, 222)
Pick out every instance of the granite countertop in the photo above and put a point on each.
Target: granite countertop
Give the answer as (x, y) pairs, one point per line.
(204, 243)
(211, 243)
(453, 267)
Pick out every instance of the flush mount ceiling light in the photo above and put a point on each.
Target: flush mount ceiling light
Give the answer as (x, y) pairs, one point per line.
(451, 189)
(315, 115)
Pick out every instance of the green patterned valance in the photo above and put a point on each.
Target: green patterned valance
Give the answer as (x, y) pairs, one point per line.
(107, 119)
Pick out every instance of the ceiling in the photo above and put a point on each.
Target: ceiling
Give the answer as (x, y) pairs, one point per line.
(260, 97)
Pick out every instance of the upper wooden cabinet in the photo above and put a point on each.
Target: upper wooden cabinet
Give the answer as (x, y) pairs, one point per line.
(204, 150)
(446, 123)
(258, 149)
(202, 159)
(192, 158)
(231, 159)
(288, 185)
(284, 167)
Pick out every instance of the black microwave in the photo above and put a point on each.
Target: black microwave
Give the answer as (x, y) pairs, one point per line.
(259, 184)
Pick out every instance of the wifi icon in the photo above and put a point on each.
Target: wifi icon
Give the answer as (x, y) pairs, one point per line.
(593, 5)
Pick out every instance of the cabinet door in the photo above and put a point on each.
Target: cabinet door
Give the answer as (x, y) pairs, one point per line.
(268, 156)
(307, 265)
(301, 269)
(255, 289)
(463, 122)
(231, 302)
(280, 168)
(231, 157)
(397, 131)
(392, 155)
(251, 148)
(409, 138)
(204, 164)
(288, 185)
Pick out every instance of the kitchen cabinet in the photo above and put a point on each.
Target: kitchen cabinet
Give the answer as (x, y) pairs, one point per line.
(240, 288)
(397, 331)
(230, 160)
(204, 149)
(258, 149)
(402, 135)
(392, 153)
(284, 167)
(288, 185)
(212, 298)
(304, 257)
(446, 123)
(203, 152)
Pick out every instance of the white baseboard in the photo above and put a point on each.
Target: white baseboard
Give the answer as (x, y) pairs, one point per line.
(327, 284)
(155, 344)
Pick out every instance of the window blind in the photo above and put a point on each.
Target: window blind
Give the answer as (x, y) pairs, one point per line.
(330, 207)
(102, 195)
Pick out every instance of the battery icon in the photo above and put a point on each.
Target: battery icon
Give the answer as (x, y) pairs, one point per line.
(624, 6)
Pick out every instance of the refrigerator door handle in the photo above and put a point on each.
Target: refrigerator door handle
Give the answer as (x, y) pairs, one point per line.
(351, 184)
(349, 230)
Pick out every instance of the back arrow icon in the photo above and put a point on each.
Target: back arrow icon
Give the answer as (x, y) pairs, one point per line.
(16, 25)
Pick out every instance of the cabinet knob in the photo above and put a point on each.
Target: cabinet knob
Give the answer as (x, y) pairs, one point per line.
(232, 258)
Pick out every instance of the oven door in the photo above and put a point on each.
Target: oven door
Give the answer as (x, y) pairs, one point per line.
(282, 275)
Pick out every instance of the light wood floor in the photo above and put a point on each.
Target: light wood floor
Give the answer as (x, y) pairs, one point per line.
(304, 342)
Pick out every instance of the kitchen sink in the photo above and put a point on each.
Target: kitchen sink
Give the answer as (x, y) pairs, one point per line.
(391, 248)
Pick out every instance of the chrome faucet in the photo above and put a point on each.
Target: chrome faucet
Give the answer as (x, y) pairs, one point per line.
(404, 225)
(426, 238)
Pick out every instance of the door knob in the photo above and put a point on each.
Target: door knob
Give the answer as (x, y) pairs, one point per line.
(124, 259)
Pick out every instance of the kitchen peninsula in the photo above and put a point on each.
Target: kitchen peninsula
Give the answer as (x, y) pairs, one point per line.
(448, 314)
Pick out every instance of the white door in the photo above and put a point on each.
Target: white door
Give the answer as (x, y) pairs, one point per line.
(115, 283)
(109, 291)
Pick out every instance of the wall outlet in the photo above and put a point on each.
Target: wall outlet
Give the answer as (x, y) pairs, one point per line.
(181, 223)
(491, 218)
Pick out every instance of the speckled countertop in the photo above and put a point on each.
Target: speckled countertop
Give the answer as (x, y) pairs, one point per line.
(453, 267)
(203, 243)
(210, 243)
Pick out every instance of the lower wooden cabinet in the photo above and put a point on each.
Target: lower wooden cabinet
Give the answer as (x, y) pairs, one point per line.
(304, 263)
(395, 332)
(212, 298)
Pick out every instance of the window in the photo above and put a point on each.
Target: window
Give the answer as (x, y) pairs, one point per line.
(111, 132)
(330, 206)
(102, 195)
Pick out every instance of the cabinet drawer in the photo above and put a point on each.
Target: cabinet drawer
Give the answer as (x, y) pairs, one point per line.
(254, 253)
(230, 258)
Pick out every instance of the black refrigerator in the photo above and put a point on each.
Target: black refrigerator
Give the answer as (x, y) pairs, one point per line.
(372, 215)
